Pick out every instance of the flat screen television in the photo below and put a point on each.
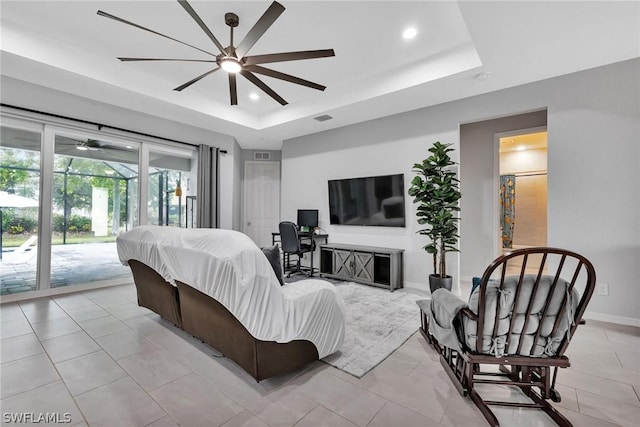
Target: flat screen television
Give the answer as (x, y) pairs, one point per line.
(375, 200)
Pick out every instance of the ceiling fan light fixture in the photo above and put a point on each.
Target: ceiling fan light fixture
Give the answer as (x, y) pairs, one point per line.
(230, 65)
(233, 59)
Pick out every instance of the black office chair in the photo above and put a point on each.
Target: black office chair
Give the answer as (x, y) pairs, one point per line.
(291, 244)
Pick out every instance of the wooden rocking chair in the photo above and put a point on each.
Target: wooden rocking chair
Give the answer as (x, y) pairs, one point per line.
(521, 318)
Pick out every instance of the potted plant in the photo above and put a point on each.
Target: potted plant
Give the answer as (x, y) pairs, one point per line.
(436, 191)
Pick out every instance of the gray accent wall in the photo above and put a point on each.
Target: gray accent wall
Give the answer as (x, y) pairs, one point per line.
(593, 120)
(479, 186)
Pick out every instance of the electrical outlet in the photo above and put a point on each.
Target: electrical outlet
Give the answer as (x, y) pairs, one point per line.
(602, 289)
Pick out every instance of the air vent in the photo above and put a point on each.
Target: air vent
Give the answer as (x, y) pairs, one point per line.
(261, 155)
(323, 118)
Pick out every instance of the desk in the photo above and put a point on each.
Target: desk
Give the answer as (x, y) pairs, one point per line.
(275, 238)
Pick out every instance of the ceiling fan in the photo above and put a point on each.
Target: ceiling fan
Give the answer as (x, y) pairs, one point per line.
(234, 59)
(87, 144)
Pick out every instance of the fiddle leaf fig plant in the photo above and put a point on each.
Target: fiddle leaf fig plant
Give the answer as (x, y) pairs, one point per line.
(435, 189)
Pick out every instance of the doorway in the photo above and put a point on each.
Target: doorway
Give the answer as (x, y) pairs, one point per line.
(522, 200)
(261, 200)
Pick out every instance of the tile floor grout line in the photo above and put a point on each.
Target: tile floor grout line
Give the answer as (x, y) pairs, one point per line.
(156, 400)
(329, 370)
(75, 357)
(62, 378)
(63, 381)
(33, 388)
(636, 392)
(601, 376)
(380, 410)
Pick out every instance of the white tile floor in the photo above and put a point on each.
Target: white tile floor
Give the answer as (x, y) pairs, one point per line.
(105, 361)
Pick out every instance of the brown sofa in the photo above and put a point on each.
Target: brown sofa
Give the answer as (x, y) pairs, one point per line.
(208, 320)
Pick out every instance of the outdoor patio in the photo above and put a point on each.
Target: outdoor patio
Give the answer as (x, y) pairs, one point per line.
(71, 264)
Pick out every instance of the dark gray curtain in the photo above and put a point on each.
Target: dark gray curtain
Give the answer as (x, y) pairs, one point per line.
(207, 194)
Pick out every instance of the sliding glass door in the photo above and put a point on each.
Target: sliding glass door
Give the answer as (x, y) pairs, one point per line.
(67, 193)
(172, 187)
(94, 199)
(19, 203)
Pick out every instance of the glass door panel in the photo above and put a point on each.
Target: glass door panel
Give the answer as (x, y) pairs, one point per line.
(94, 200)
(172, 188)
(19, 202)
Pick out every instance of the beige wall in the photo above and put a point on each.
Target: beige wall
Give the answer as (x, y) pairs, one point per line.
(531, 211)
(480, 226)
(531, 195)
(523, 161)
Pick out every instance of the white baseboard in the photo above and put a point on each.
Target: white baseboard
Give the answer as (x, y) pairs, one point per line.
(465, 279)
(416, 286)
(423, 288)
(22, 296)
(604, 317)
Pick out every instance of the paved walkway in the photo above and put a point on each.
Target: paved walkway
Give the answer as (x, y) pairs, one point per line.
(71, 264)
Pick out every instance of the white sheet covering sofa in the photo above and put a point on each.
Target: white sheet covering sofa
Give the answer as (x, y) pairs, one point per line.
(213, 271)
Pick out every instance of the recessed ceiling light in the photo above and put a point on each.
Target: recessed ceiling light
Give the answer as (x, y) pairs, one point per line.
(521, 148)
(254, 96)
(409, 33)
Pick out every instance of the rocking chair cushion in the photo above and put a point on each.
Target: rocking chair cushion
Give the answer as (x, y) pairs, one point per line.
(475, 284)
(547, 342)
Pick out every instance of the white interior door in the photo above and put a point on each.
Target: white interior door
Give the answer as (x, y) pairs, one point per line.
(261, 200)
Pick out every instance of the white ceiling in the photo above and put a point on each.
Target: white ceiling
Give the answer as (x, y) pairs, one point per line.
(67, 46)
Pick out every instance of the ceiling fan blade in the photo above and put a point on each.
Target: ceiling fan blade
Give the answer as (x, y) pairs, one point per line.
(288, 56)
(266, 89)
(233, 90)
(260, 27)
(115, 18)
(282, 76)
(200, 77)
(165, 59)
(202, 25)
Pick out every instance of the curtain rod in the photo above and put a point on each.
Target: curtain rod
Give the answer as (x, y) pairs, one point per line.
(99, 125)
(529, 174)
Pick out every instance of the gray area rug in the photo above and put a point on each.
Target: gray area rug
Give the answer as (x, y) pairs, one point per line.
(378, 322)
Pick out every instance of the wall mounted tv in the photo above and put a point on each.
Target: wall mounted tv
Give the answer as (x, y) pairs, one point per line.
(376, 200)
